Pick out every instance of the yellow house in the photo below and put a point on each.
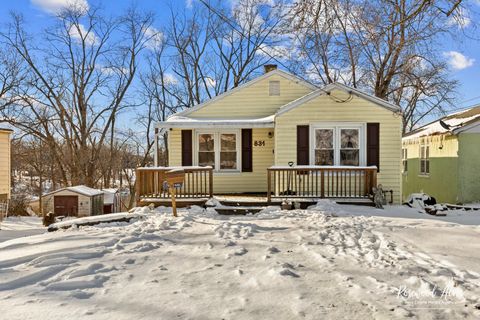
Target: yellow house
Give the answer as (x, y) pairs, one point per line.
(282, 135)
(5, 166)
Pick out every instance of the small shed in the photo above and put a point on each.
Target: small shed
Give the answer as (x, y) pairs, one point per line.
(79, 201)
(111, 200)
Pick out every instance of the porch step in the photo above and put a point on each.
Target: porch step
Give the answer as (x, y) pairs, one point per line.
(238, 211)
(304, 203)
(167, 202)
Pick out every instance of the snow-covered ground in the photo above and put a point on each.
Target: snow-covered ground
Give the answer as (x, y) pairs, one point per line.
(16, 227)
(329, 262)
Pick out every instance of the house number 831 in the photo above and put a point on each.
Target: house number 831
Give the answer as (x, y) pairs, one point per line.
(259, 143)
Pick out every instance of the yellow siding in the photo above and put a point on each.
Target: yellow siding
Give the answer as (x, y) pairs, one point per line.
(253, 101)
(235, 182)
(441, 146)
(5, 163)
(325, 109)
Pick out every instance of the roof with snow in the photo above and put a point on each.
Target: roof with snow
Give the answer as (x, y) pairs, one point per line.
(176, 121)
(81, 189)
(109, 195)
(455, 123)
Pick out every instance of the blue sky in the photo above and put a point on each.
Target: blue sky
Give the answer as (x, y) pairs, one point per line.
(463, 54)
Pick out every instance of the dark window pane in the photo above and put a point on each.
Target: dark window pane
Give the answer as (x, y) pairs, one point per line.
(349, 157)
(323, 139)
(349, 138)
(324, 157)
(422, 166)
(206, 159)
(228, 160)
(205, 142)
(427, 166)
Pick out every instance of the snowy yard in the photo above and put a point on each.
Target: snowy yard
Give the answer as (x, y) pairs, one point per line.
(312, 264)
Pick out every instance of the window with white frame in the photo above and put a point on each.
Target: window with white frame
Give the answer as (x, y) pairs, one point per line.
(404, 160)
(206, 149)
(324, 148)
(228, 151)
(219, 150)
(424, 159)
(339, 145)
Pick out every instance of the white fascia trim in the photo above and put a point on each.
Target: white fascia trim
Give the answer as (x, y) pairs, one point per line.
(467, 127)
(295, 103)
(245, 85)
(327, 89)
(366, 96)
(215, 125)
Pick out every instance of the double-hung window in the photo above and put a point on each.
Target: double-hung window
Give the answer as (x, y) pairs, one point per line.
(424, 159)
(206, 149)
(338, 145)
(219, 150)
(404, 160)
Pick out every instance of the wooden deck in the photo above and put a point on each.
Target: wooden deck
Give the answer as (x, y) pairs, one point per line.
(321, 182)
(303, 184)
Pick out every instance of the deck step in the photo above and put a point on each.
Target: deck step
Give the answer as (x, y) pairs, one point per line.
(238, 211)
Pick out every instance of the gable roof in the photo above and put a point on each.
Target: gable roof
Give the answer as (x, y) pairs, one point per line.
(81, 189)
(278, 72)
(332, 86)
(458, 122)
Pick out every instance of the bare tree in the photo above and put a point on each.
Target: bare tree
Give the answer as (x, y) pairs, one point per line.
(78, 77)
(386, 47)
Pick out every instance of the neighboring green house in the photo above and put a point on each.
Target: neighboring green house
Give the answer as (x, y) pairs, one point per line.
(442, 158)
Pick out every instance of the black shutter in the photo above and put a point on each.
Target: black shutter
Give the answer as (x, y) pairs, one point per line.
(187, 153)
(373, 145)
(303, 145)
(247, 165)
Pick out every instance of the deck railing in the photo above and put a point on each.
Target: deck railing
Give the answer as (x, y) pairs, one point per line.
(321, 182)
(198, 183)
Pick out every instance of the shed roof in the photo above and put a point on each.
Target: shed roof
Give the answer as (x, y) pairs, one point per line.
(456, 121)
(81, 189)
(109, 195)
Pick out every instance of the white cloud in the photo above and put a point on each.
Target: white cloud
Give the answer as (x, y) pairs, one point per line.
(78, 32)
(277, 51)
(458, 61)
(460, 18)
(169, 78)
(210, 82)
(155, 38)
(55, 6)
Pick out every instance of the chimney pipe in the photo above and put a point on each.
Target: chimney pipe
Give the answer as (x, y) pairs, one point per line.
(270, 67)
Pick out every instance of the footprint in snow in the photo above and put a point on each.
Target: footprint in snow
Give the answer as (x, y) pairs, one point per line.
(79, 294)
(230, 243)
(288, 272)
(240, 252)
(273, 250)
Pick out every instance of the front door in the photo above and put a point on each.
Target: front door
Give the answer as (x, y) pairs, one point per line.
(66, 205)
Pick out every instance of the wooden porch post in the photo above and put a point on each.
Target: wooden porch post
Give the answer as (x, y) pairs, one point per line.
(210, 182)
(374, 179)
(138, 182)
(322, 184)
(269, 186)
